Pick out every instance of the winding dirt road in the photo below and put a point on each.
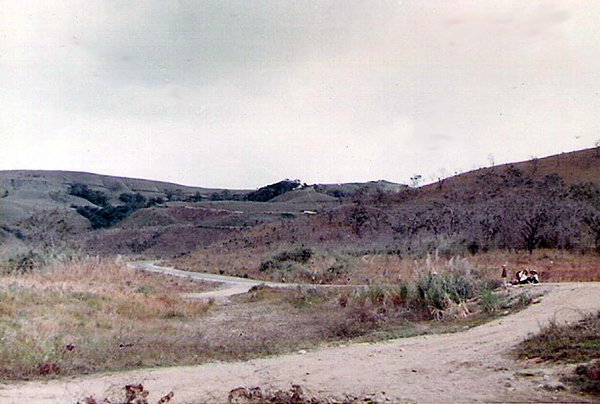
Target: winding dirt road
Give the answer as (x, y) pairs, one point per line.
(228, 285)
(464, 367)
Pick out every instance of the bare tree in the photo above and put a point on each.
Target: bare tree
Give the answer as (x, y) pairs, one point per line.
(592, 220)
(535, 164)
(531, 232)
(358, 219)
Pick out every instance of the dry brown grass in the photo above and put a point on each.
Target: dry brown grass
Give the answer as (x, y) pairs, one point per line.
(552, 265)
(577, 343)
(100, 315)
(359, 267)
(88, 316)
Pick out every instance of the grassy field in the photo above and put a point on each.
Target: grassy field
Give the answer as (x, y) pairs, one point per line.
(87, 316)
(97, 315)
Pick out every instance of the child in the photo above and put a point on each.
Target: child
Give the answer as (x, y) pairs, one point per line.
(533, 277)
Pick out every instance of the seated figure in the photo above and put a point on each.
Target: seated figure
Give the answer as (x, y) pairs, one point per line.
(533, 277)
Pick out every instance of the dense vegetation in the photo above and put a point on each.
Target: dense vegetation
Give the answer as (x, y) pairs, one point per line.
(551, 203)
(272, 191)
(508, 209)
(105, 215)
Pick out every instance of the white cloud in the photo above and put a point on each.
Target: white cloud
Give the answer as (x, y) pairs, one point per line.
(238, 94)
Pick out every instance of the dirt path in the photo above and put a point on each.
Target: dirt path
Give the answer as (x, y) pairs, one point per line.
(229, 285)
(469, 366)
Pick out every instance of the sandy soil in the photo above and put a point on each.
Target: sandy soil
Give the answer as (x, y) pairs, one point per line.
(469, 366)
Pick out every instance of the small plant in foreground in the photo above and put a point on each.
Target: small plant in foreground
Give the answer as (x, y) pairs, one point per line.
(586, 378)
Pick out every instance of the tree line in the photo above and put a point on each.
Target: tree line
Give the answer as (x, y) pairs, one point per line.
(505, 210)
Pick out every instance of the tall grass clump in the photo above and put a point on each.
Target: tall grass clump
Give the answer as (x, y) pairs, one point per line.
(438, 290)
(300, 255)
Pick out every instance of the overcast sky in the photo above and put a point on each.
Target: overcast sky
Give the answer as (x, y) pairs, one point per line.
(239, 94)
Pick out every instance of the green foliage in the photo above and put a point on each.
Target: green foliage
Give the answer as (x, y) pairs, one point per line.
(108, 215)
(197, 197)
(157, 200)
(133, 201)
(436, 290)
(272, 191)
(98, 198)
(104, 217)
(174, 194)
(221, 195)
(490, 301)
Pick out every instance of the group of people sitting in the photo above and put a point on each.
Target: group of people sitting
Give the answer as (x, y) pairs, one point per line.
(522, 277)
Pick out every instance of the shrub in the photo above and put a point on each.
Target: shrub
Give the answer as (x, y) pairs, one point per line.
(563, 342)
(269, 192)
(490, 302)
(283, 259)
(98, 198)
(24, 262)
(109, 215)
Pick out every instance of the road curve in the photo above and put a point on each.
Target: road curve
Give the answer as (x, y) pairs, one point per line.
(230, 285)
(471, 366)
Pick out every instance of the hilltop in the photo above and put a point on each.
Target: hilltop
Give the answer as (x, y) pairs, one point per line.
(550, 202)
(576, 167)
(117, 215)
(23, 191)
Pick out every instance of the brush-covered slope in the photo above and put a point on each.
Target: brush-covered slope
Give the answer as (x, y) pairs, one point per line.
(551, 203)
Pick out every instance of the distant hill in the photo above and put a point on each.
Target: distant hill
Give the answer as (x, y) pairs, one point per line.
(551, 203)
(359, 189)
(144, 216)
(22, 191)
(573, 168)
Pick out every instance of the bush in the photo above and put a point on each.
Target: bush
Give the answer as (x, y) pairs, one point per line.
(586, 378)
(490, 302)
(24, 262)
(109, 215)
(272, 191)
(435, 290)
(283, 259)
(98, 198)
(104, 217)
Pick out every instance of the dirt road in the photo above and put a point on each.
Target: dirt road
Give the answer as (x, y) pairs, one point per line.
(228, 285)
(469, 366)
